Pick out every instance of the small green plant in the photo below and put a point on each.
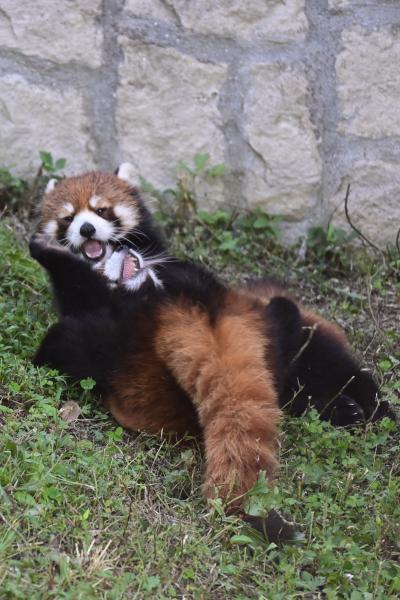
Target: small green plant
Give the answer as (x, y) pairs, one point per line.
(227, 236)
(50, 166)
(181, 201)
(328, 246)
(12, 190)
(18, 195)
(233, 233)
(259, 221)
(262, 498)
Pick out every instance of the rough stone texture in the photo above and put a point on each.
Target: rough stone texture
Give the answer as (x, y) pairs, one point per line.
(150, 9)
(285, 171)
(295, 97)
(246, 20)
(369, 82)
(339, 4)
(167, 106)
(374, 201)
(34, 118)
(58, 31)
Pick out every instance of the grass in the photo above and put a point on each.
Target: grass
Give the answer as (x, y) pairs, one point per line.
(90, 511)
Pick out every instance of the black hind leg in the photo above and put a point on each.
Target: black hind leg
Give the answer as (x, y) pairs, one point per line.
(326, 376)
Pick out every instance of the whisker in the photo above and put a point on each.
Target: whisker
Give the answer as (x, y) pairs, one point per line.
(157, 262)
(134, 231)
(139, 233)
(65, 241)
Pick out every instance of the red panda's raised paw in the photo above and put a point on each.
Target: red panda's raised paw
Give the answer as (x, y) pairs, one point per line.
(42, 247)
(41, 242)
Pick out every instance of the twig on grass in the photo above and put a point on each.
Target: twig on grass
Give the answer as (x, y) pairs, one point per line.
(358, 231)
(371, 310)
(289, 403)
(336, 396)
(306, 343)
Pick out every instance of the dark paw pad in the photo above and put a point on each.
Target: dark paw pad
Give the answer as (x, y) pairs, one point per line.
(345, 412)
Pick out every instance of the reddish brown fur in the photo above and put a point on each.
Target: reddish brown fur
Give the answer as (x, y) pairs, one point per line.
(79, 190)
(223, 371)
(148, 399)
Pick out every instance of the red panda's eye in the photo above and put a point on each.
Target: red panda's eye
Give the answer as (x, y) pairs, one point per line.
(69, 219)
(100, 211)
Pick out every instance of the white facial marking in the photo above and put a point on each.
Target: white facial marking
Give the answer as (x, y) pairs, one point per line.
(138, 257)
(128, 173)
(50, 228)
(135, 282)
(68, 207)
(114, 263)
(127, 216)
(104, 229)
(50, 185)
(157, 282)
(94, 201)
(113, 266)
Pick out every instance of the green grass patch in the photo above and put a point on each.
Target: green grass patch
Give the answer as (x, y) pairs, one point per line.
(90, 511)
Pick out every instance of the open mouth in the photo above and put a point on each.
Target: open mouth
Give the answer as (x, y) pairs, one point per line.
(121, 265)
(130, 266)
(93, 249)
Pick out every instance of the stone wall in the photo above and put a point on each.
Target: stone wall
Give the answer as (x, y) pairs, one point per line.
(296, 97)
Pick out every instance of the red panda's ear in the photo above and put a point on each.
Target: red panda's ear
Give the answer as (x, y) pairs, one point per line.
(50, 185)
(128, 173)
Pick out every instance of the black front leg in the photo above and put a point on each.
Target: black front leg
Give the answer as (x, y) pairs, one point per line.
(77, 287)
(88, 346)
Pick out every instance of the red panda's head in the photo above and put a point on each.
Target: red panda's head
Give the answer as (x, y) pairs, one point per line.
(92, 212)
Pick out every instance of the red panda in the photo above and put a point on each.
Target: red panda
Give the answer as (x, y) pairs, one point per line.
(172, 348)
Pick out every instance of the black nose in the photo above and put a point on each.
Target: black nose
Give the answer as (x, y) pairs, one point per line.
(87, 230)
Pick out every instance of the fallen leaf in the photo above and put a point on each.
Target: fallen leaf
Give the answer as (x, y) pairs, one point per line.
(70, 411)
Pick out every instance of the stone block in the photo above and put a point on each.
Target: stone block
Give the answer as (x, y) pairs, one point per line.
(369, 83)
(283, 175)
(34, 118)
(167, 111)
(57, 31)
(245, 20)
